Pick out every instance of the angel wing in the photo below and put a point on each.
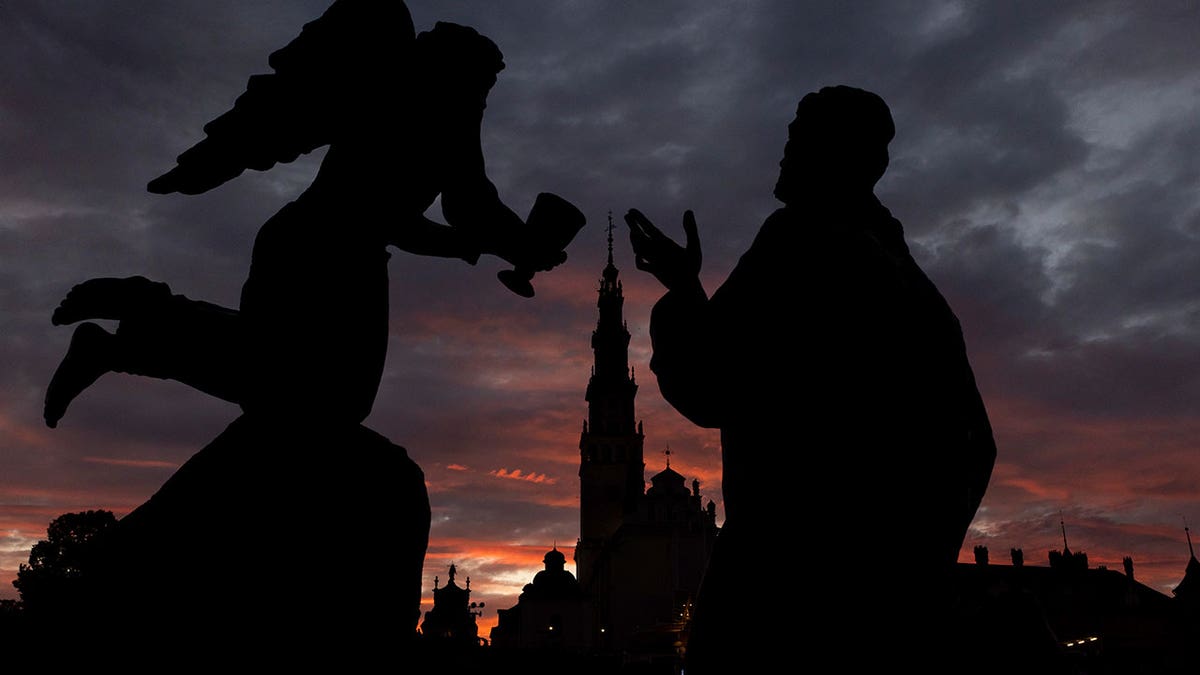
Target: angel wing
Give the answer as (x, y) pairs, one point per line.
(319, 79)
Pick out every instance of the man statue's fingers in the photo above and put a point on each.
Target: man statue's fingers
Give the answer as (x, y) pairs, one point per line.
(637, 239)
(641, 237)
(638, 221)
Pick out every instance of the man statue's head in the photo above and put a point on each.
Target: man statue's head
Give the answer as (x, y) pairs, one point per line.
(837, 145)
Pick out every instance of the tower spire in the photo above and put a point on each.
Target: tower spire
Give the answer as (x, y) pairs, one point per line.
(1062, 524)
(611, 461)
(1188, 533)
(610, 237)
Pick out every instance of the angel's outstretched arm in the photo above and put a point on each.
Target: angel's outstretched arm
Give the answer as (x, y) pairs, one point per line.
(423, 236)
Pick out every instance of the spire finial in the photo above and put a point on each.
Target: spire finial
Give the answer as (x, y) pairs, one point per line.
(667, 452)
(610, 237)
(1063, 524)
(1188, 533)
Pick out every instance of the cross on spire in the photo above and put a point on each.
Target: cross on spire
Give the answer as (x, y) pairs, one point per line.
(610, 237)
(667, 452)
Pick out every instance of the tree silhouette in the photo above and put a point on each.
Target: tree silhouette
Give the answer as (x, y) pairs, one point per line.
(11, 613)
(59, 565)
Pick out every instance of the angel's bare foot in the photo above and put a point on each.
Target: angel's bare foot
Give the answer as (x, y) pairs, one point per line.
(109, 298)
(88, 357)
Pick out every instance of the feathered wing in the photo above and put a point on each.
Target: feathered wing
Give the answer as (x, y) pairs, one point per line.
(340, 61)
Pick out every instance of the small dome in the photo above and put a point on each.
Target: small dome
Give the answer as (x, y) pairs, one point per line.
(668, 481)
(554, 557)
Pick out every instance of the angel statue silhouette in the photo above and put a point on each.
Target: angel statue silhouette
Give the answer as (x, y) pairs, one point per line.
(303, 354)
(401, 116)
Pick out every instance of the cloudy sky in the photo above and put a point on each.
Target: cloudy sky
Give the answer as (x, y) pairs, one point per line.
(1045, 166)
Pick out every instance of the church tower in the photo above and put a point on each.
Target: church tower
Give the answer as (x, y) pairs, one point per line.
(611, 467)
(641, 552)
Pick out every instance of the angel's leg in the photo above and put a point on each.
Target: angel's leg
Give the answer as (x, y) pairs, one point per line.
(160, 335)
(89, 356)
(110, 298)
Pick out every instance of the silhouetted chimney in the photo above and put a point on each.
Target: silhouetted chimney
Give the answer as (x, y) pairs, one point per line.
(981, 556)
(1066, 560)
(1128, 561)
(1018, 557)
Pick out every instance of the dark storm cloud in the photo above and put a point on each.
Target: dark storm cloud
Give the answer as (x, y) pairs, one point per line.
(1105, 315)
(98, 79)
(1104, 320)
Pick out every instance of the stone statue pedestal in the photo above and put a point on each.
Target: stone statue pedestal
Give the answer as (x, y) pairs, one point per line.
(277, 541)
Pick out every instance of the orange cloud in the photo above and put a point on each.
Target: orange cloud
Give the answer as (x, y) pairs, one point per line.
(498, 570)
(516, 474)
(20, 434)
(1036, 488)
(456, 467)
(57, 501)
(136, 463)
(560, 501)
(445, 550)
